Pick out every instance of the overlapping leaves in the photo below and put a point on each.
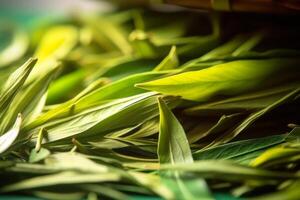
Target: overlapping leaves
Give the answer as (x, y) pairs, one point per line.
(145, 107)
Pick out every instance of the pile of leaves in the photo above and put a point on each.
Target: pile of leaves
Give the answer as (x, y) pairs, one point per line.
(141, 103)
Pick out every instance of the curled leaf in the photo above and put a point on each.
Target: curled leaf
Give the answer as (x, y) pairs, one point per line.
(7, 139)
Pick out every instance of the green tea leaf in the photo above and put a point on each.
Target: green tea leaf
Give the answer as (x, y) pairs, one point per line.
(36, 156)
(244, 103)
(294, 136)
(223, 124)
(173, 147)
(104, 118)
(58, 195)
(224, 49)
(224, 79)
(106, 191)
(74, 161)
(276, 155)
(14, 84)
(250, 43)
(170, 62)
(227, 136)
(236, 150)
(229, 171)
(29, 101)
(8, 138)
(63, 178)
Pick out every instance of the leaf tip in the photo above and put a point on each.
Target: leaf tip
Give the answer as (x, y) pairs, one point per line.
(32, 60)
(139, 85)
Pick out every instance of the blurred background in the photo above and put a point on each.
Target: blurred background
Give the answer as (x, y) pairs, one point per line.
(28, 12)
(53, 5)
